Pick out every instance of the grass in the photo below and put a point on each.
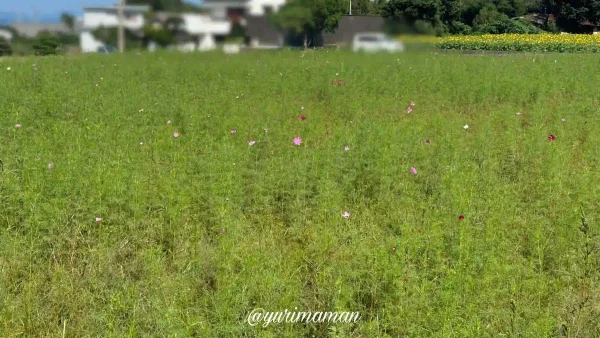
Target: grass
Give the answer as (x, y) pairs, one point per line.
(198, 230)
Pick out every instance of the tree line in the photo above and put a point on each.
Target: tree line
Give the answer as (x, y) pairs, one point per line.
(441, 17)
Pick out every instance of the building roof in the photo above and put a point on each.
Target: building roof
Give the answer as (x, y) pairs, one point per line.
(129, 8)
(31, 30)
(221, 3)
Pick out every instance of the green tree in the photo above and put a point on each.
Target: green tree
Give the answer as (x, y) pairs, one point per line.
(571, 14)
(488, 15)
(237, 33)
(5, 47)
(68, 20)
(424, 16)
(110, 36)
(310, 17)
(366, 7)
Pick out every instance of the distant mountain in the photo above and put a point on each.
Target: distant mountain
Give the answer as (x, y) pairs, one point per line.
(8, 18)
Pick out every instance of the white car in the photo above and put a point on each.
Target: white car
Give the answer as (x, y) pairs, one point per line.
(376, 42)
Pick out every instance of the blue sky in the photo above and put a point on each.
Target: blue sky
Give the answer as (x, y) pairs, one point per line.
(45, 7)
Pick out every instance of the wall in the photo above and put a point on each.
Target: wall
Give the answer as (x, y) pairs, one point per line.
(257, 7)
(97, 18)
(88, 43)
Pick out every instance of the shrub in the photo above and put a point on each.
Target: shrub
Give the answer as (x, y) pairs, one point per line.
(508, 26)
(5, 47)
(237, 31)
(159, 35)
(459, 28)
(46, 45)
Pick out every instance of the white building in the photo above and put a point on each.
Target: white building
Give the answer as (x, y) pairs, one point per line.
(95, 17)
(263, 7)
(202, 27)
(31, 30)
(236, 9)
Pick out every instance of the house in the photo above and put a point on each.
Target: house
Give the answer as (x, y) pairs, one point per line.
(238, 10)
(200, 30)
(31, 30)
(108, 16)
(253, 15)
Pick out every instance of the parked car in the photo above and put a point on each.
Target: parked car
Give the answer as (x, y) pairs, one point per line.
(106, 49)
(376, 42)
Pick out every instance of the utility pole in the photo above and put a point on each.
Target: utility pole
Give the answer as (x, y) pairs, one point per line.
(121, 29)
(350, 7)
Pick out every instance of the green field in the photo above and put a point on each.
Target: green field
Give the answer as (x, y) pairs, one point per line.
(198, 230)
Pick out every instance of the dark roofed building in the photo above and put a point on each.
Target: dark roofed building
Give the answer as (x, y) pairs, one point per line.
(349, 25)
(262, 32)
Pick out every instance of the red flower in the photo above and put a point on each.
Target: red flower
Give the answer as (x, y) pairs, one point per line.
(302, 117)
(461, 217)
(339, 82)
(551, 137)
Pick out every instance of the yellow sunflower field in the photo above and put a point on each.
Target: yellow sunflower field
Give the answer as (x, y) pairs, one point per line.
(524, 42)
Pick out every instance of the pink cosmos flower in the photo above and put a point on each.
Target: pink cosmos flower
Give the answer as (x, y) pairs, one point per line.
(413, 170)
(175, 134)
(50, 165)
(251, 143)
(339, 82)
(98, 219)
(169, 122)
(412, 104)
(297, 141)
(302, 117)
(551, 137)
(346, 214)
(409, 109)
(18, 125)
(346, 148)
(232, 131)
